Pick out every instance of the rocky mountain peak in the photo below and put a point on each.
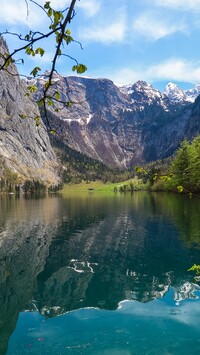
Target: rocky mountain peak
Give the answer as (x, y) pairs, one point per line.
(142, 93)
(193, 93)
(177, 95)
(174, 93)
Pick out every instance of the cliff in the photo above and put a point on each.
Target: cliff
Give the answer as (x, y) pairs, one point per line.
(25, 148)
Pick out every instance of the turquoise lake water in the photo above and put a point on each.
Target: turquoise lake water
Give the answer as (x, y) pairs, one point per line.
(93, 274)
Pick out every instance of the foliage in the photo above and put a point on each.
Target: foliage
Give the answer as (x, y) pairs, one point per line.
(9, 180)
(154, 173)
(178, 174)
(185, 168)
(196, 268)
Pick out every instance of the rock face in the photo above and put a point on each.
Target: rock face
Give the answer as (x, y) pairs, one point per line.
(193, 125)
(25, 147)
(121, 126)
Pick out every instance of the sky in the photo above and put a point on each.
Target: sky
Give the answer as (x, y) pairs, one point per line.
(157, 41)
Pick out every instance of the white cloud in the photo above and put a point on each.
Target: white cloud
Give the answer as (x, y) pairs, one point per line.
(15, 13)
(170, 70)
(175, 69)
(114, 32)
(154, 27)
(191, 5)
(91, 7)
(55, 4)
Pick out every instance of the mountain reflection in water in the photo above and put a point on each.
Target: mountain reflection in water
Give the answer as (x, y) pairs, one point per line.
(64, 253)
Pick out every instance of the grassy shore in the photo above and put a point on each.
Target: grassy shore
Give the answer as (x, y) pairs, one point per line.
(98, 185)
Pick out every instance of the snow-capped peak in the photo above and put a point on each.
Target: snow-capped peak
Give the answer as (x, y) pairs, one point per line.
(175, 94)
(193, 93)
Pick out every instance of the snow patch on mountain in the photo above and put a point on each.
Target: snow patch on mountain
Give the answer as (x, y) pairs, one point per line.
(125, 89)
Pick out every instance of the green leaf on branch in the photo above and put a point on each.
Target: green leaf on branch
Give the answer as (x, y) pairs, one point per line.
(40, 51)
(8, 62)
(58, 37)
(47, 85)
(80, 68)
(69, 39)
(37, 121)
(57, 17)
(32, 88)
(41, 103)
(27, 37)
(57, 95)
(50, 103)
(30, 51)
(50, 12)
(35, 71)
(47, 5)
(52, 131)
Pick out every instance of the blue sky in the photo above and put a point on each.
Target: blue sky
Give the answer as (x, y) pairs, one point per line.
(123, 40)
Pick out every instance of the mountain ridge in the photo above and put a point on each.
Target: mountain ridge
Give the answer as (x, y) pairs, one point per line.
(120, 127)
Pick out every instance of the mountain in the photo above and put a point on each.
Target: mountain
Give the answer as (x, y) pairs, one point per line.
(193, 124)
(119, 126)
(24, 148)
(177, 95)
(174, 93)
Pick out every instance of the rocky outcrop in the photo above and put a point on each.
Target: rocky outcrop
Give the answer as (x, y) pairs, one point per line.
(25, 147)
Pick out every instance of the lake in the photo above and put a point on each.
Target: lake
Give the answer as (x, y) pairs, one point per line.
(94, 274)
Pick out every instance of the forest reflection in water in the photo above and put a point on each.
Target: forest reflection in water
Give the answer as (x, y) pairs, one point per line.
(62, 253)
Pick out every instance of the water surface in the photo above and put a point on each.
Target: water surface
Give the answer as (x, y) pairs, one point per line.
(93, 274)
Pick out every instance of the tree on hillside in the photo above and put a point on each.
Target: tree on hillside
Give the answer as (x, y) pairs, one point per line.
(61, 34)
(181, 164)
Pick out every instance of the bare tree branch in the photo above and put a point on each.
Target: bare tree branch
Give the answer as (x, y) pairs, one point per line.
(58, 27)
